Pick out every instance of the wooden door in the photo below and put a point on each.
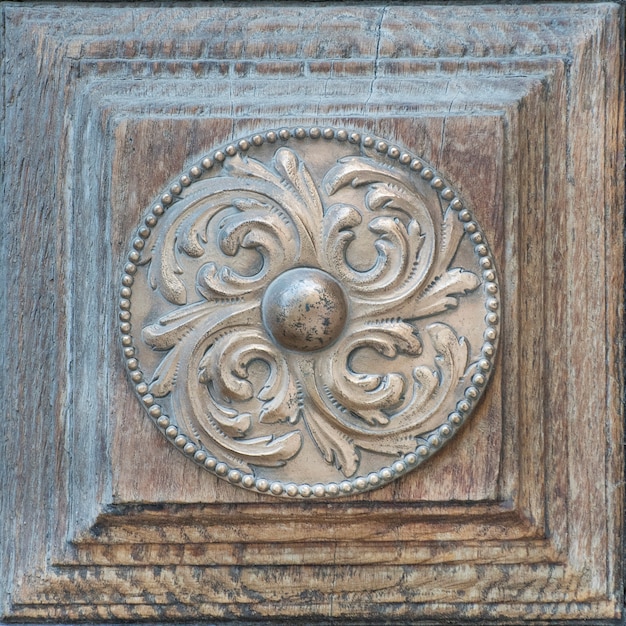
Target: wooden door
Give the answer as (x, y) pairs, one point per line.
(109, 113)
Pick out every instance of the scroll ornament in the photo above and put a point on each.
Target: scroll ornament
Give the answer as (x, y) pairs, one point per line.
(309, 313)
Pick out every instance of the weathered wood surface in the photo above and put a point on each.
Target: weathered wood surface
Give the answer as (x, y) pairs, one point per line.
(519, 518)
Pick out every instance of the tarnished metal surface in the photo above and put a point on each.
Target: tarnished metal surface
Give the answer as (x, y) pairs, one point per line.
(309, 312)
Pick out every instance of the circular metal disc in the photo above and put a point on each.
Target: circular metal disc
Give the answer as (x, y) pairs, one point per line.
(309, 312)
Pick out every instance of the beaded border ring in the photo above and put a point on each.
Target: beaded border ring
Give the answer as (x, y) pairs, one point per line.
(427, 443)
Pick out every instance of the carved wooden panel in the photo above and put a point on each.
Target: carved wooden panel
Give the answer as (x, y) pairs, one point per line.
(518, 109)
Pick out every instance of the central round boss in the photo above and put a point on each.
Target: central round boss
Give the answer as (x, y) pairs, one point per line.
(304, 309)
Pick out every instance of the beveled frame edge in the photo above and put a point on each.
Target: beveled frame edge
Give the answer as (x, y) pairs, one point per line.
(616, 317)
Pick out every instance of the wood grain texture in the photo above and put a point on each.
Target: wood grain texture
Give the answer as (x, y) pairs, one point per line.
(518, 519)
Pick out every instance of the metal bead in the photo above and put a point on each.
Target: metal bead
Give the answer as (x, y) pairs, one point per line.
(199, 456)
(276, 488)
(488, 348)
(463, 406)
(148, 399)
(455, 418)
(478, 379)
(447, 194)
(471, 393)
(489, 275)
(373, 479)
(221, 469)
(386, 474)
(399, 467)
(360, 483)
(234, 476)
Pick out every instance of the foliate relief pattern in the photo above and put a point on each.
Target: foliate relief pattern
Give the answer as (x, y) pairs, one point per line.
(309, 312)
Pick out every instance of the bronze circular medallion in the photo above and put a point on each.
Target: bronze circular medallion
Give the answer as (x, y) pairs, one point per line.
(309, 312)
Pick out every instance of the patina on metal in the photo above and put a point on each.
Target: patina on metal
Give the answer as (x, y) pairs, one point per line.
(309, 312)
(304, 309)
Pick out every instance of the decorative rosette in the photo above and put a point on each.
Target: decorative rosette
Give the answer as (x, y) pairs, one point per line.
(314, 312)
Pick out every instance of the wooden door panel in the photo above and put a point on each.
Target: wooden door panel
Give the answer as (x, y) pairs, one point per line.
(518, 518)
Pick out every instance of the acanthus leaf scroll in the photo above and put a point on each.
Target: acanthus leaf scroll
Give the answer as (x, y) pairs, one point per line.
(297, 327)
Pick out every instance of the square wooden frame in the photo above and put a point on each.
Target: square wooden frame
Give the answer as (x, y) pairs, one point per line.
(88, 535)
